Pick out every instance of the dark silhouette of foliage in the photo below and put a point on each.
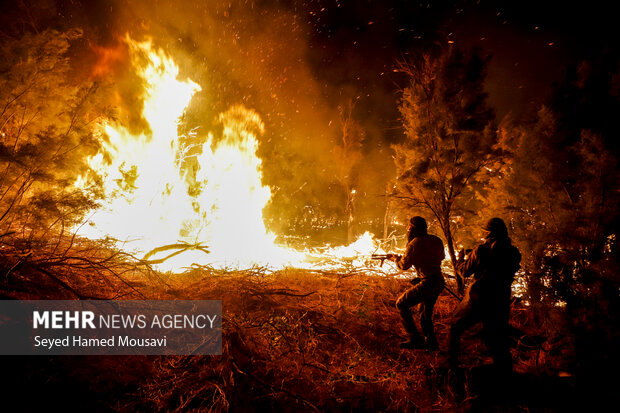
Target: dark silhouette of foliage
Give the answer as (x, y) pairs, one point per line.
(560, 191)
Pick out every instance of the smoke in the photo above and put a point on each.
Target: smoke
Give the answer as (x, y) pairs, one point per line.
(269, 56)
(257, 54)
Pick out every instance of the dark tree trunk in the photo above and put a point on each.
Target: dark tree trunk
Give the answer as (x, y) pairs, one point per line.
(350, 214)
(447, 232)
(386, 216)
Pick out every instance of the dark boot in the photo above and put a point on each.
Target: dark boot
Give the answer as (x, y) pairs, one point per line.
(415, 338)
(408, 323)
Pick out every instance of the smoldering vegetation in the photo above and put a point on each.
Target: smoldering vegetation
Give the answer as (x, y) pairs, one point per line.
(293, 340)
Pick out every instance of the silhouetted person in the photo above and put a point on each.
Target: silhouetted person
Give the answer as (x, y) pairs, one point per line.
(424, 252)
(487, 300)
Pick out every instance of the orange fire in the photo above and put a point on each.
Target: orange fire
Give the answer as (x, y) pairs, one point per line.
(107, 58)
(149, 206)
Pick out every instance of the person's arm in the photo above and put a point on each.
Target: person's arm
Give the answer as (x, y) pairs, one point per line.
(471, 264)
(406, 261)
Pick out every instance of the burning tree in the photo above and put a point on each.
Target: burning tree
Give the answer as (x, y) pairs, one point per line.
(347, 156)
(449, 139)
(46, 119)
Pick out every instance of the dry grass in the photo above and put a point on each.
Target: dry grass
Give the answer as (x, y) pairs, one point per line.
(294, 340)
(297, 340)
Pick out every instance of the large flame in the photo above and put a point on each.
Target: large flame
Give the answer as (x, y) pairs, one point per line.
(157, 207)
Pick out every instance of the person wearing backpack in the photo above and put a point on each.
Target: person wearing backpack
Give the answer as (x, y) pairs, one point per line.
(493, 265)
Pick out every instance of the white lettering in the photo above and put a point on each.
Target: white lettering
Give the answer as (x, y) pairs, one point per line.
(78, 341)
(51, 342)
(38, 319)
(75, 319)
(87, 319)
(57, 319)
(180, 321)
(63, 319)
(211, 320)
(142, 342)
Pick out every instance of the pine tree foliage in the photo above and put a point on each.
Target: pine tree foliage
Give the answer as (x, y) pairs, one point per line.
(449, 147)
(562, 202)
(560, 192)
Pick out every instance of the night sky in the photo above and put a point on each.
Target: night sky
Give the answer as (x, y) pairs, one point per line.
(530, 42)
(297, 62)
(352, 46)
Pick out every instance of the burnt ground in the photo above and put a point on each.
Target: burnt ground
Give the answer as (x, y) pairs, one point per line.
(293, 340)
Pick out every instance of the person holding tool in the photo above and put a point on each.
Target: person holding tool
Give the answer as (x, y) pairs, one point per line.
(424, 252)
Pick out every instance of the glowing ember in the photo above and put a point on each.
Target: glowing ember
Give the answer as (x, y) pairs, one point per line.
(156, 207)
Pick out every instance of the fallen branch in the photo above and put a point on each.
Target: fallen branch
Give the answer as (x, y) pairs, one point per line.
(181, 247)
(281, 291)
